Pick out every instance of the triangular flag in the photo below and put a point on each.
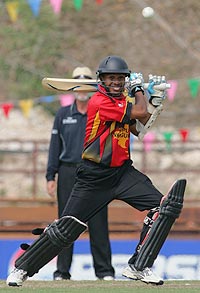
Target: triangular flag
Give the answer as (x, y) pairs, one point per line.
(193, 86)
(12, 8)
(148, 141)
(171, 92)
(78, 4)
(6, 108)
(47, 99)
(168, 137)
(26, 106)
(66, 100)
(35, 6)
(56, 4)
(184, 133)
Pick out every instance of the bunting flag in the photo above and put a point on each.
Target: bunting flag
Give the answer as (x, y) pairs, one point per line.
(6, 107)
(66, 100)
(148, 141)
(46, 99)
(194, 87)
(99, 1)
(56, 4)
(26, 106)
(171, 92)
(35, 6)
(12, 8)
(168, 137)
(184, 133)
(78, 4)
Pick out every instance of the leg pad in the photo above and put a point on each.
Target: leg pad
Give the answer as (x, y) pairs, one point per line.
(169, 211)
(61, 233)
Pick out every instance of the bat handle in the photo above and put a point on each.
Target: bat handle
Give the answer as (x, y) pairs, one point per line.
(161, 87)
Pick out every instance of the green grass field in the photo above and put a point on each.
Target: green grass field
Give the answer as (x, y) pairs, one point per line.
(102, 286)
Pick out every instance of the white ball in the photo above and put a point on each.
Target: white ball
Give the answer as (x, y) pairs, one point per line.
(148, 12)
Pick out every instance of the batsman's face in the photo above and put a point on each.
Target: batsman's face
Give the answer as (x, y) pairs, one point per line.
(114, 82)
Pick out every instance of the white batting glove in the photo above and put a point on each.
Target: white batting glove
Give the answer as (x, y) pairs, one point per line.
(156, 96)
(135, 84)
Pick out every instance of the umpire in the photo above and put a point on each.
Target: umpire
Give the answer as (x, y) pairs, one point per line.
(65, 151)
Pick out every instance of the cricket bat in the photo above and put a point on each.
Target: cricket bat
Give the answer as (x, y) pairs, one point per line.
(66, 85)
(83, 85)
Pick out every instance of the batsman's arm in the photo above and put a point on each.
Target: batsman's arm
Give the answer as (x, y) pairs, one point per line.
(154, 103)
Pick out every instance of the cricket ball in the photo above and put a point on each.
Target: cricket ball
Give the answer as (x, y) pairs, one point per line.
(148, 12)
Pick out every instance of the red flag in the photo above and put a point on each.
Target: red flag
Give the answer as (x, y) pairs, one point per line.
(6, 109)
(184, 134)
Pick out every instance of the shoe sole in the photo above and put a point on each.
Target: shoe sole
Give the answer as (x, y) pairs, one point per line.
(127, 275)
(12, 284)
(161, 282)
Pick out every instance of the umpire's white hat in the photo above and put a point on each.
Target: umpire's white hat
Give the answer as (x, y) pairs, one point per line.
(82, 72)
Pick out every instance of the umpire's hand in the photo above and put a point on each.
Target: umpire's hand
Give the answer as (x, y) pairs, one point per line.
(51, 188)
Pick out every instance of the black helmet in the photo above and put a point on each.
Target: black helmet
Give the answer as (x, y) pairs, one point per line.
(113, 64)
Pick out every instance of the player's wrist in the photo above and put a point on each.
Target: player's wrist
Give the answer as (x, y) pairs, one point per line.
(136, 90)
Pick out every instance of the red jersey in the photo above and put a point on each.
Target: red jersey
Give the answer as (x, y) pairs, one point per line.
(107, 135)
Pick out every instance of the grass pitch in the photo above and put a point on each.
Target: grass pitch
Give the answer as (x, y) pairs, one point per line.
(102, 286)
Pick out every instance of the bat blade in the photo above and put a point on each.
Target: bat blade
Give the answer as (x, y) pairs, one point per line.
(66, 85)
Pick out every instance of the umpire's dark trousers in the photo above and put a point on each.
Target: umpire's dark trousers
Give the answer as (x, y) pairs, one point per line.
(98, 229)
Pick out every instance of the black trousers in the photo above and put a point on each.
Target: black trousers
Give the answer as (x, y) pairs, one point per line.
(96, 186)
(98, 230)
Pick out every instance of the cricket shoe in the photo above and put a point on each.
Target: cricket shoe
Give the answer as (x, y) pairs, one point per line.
(107, 278)
(146, 276)
(58, 276)
(16, 278)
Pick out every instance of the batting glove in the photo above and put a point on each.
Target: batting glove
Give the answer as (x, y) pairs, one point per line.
(135, 84)
(156, 97)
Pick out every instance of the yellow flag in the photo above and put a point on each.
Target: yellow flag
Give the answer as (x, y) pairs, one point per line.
(26, 106)
(12, 8)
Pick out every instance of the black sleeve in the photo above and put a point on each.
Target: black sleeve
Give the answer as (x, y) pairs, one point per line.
(127, 116)
(54, 149)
